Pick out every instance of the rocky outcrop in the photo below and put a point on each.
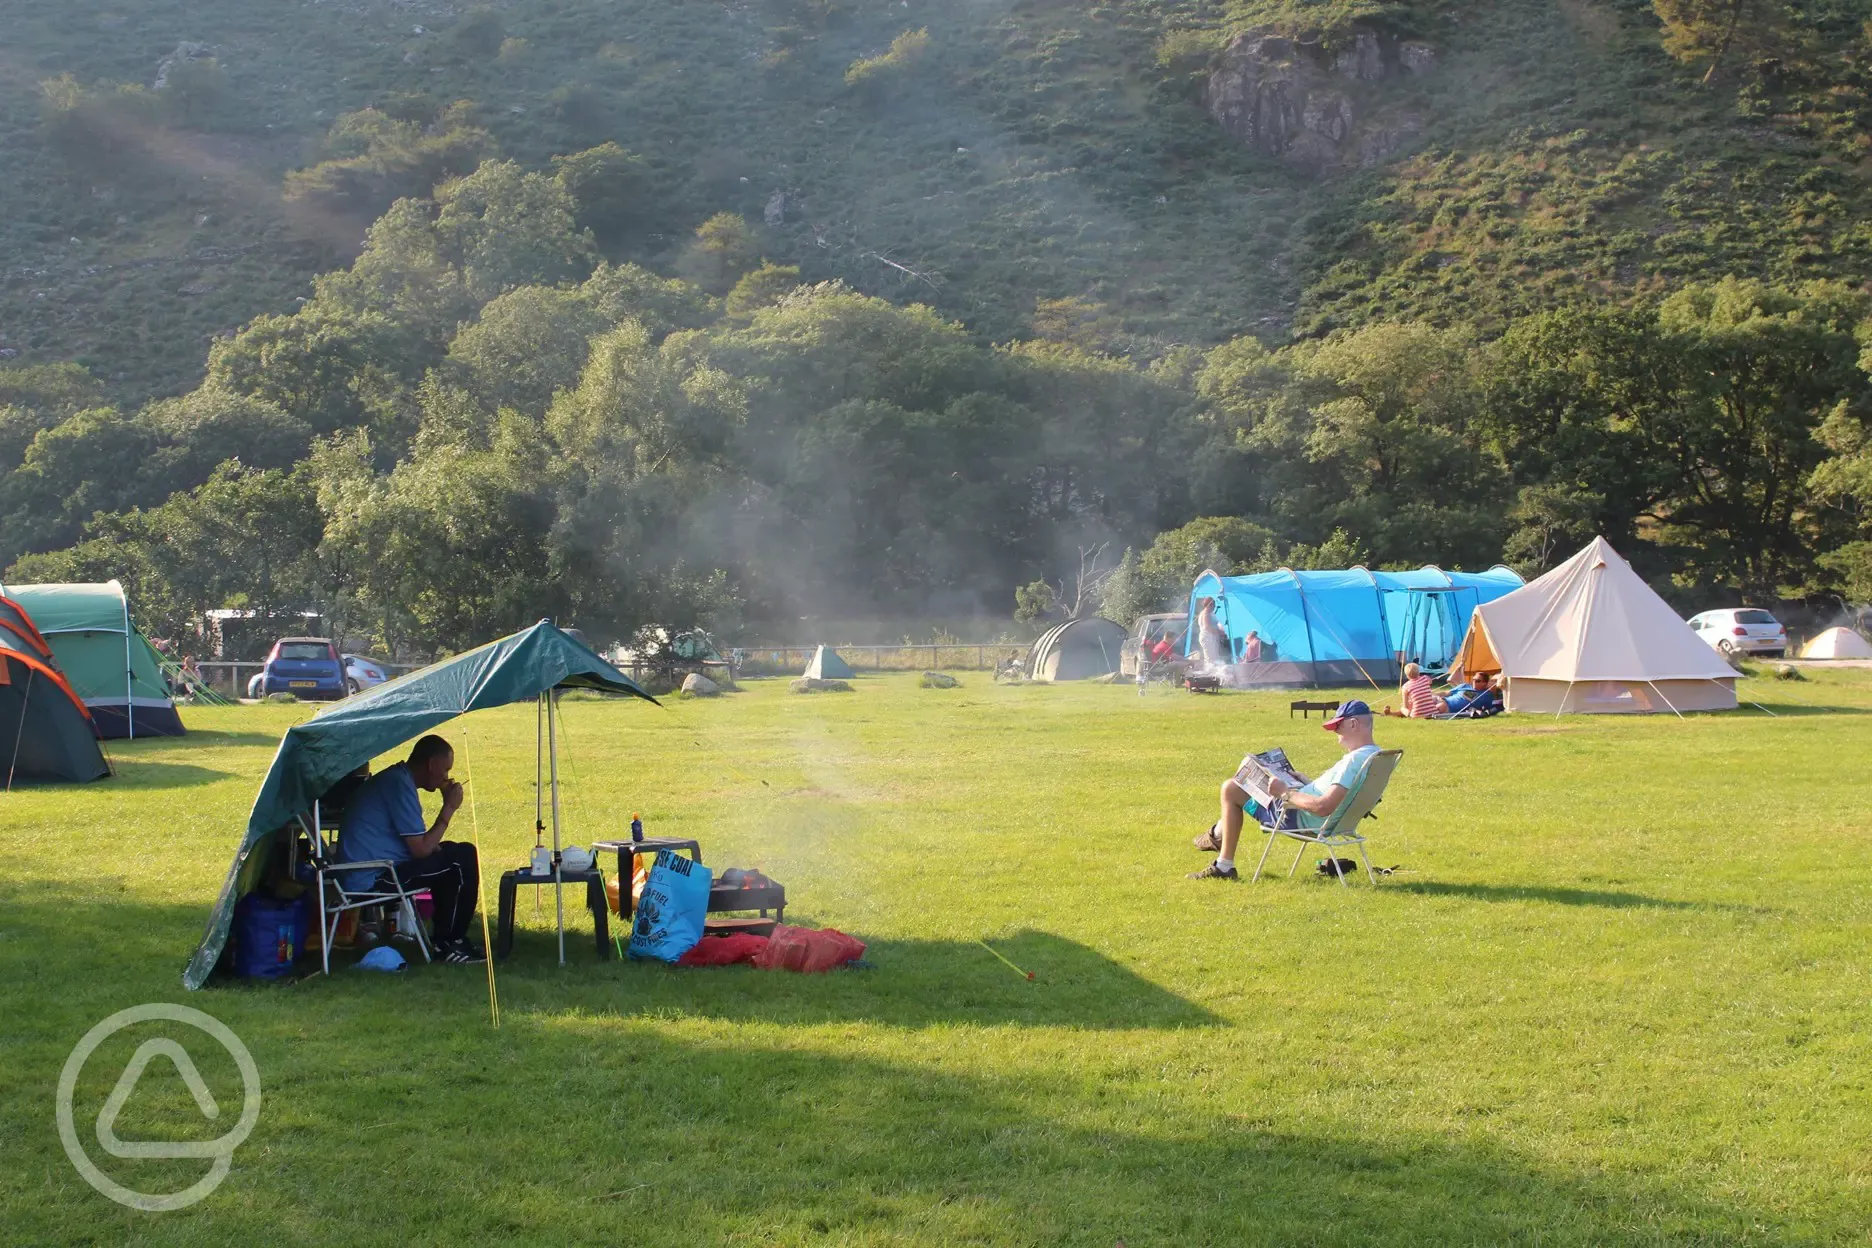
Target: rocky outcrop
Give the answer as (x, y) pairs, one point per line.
(1314, 106)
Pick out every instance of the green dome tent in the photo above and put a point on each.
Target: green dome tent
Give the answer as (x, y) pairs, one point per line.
(45, 731)
(315, 755)
(109, 663)
(1076, 650)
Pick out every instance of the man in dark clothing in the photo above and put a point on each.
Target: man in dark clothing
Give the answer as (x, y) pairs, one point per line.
(383, 819)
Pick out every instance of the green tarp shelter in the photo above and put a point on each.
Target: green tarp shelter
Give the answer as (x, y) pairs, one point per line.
(826, 665)
(315, 755)
(45, 731)
(109, 663)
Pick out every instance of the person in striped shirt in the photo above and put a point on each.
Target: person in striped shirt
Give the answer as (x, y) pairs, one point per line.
(1420, 701)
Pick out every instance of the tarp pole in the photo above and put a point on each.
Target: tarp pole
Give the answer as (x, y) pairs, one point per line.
(539, 770)
(129, 679)
(552, 754)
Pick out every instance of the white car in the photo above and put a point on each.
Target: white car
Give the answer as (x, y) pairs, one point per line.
(361, 673)
(1742, 630)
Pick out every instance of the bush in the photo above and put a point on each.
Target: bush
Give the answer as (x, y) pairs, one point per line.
(1184, 53)
(904, 52)
(480, 32)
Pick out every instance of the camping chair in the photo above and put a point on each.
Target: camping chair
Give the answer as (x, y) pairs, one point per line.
(336, 896)
(1341, 827)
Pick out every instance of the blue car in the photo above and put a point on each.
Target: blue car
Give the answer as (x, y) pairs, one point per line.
(306, 667)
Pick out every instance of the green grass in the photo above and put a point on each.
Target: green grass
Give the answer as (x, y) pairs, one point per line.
(1616, 996)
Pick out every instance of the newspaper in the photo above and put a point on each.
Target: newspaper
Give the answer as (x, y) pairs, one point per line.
(1257, 771)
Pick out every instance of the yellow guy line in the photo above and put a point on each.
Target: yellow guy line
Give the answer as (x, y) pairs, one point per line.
(474, 823)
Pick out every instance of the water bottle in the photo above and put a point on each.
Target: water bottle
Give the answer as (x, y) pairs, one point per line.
(636, 827)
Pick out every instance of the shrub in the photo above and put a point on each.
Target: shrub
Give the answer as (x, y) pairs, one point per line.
(480, 32)
(904, 52)
(1183, 53)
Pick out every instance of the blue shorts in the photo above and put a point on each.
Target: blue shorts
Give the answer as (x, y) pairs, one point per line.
(1288, 821)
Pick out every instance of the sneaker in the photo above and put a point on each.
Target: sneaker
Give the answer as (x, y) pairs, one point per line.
(1209, 842)
(461, 953)
(1213, 872)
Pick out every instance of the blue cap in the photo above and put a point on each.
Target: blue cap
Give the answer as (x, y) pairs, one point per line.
(1348, 710)
(382, 958)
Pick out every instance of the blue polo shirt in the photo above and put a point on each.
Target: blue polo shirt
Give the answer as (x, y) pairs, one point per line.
(382, 811)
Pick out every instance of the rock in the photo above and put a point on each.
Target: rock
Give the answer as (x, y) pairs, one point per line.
(184, 53)
(1292, 99)
(806, 684)
(696, 685)
(1361, 59)
(775, 212)
(940, 680)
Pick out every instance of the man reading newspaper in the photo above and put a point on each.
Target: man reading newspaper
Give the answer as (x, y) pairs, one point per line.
(1267, 786)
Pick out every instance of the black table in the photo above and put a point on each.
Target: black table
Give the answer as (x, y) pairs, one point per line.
(595, 901)
(627, 851)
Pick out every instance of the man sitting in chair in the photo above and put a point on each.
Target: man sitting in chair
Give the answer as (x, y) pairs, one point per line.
(1306, 807)
(383, 818)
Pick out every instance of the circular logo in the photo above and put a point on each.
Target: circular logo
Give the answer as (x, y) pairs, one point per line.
(221, 1150)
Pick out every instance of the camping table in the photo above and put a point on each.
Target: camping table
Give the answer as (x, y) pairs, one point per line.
(594, 900)
(627, 851)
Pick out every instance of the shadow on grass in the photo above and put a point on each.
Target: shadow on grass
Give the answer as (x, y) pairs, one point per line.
(910, 983)
(629, 1110)
(1548, 893)
(194, 739)
(144, 773)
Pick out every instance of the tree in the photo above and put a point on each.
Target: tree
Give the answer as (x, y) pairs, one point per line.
(1707, 32)
(724, 248)
(609, 189)
(761, 288)
(1770, 365)
(501, 227)
(526, 345)
(1034, 601)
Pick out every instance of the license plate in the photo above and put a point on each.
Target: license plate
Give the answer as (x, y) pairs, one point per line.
(302, 684)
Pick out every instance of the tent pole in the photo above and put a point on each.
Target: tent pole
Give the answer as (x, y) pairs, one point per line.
(552, 753)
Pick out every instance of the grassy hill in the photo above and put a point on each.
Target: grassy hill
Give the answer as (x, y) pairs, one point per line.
(1028, 150)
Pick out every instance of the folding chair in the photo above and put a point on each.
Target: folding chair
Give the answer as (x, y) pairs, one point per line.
(1341, 827)
(336, 896)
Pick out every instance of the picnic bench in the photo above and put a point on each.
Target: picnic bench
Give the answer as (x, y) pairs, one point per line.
(1306, 709)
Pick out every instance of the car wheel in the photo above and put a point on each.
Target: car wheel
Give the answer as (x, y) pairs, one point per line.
(352, 688)
(1727, 647)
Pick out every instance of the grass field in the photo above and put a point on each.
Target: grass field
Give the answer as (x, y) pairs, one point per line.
(1617, 995)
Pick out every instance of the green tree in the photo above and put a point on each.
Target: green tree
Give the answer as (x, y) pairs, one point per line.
(525, 345)
(724, 248)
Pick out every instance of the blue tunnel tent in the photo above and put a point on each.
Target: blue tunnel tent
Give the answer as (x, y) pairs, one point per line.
(1351, 626)
(315, 755)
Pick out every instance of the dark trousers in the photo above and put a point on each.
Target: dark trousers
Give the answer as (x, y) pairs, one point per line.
(453, 877)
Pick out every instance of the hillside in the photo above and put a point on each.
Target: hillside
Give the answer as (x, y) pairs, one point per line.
(1037, 150)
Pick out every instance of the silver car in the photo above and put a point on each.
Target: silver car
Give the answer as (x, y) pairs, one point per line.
(1742, 630)
(362, 673)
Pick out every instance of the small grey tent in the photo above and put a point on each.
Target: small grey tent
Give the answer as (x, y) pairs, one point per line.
(1076, 650)
(826, 665)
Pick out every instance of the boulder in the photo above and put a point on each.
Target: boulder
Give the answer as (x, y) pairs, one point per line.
(940, 680)
(810, 684)
(1321, 109)
(696, 685)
